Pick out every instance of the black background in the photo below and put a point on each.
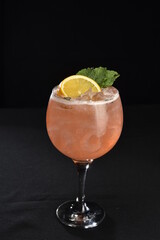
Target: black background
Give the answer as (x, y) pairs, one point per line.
(41, 44)
(44, 42)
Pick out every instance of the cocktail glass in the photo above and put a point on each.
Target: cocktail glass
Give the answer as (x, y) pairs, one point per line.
(83, 130)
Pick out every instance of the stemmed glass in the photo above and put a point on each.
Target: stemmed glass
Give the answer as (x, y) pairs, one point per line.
(83, 130)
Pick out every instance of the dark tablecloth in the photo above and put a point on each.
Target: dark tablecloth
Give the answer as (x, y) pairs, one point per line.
(35, 178)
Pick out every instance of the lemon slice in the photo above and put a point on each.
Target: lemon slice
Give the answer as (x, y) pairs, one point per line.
(76, 85)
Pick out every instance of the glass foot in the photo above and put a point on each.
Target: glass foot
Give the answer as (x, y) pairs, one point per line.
(91, 215)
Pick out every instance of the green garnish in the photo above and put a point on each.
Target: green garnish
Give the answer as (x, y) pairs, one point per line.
(101, 75)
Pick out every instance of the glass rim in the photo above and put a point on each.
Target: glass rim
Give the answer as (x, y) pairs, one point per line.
(73, 101)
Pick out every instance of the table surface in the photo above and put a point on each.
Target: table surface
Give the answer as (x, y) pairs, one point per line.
(35, 178)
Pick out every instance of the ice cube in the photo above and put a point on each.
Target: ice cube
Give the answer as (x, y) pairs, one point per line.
(109, 91)
(86, 96)
(106, 94)
(98, 96)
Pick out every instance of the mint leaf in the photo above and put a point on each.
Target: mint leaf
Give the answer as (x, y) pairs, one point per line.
(101, 75)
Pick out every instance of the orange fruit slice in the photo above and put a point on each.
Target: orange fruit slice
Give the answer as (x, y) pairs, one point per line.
(76, 85)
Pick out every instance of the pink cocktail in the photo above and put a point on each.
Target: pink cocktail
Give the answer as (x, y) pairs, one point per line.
(84, 129)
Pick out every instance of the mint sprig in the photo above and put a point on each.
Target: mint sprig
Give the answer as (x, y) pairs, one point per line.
(101, 75)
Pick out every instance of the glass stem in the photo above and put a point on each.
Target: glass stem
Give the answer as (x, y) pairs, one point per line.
(82, 172)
